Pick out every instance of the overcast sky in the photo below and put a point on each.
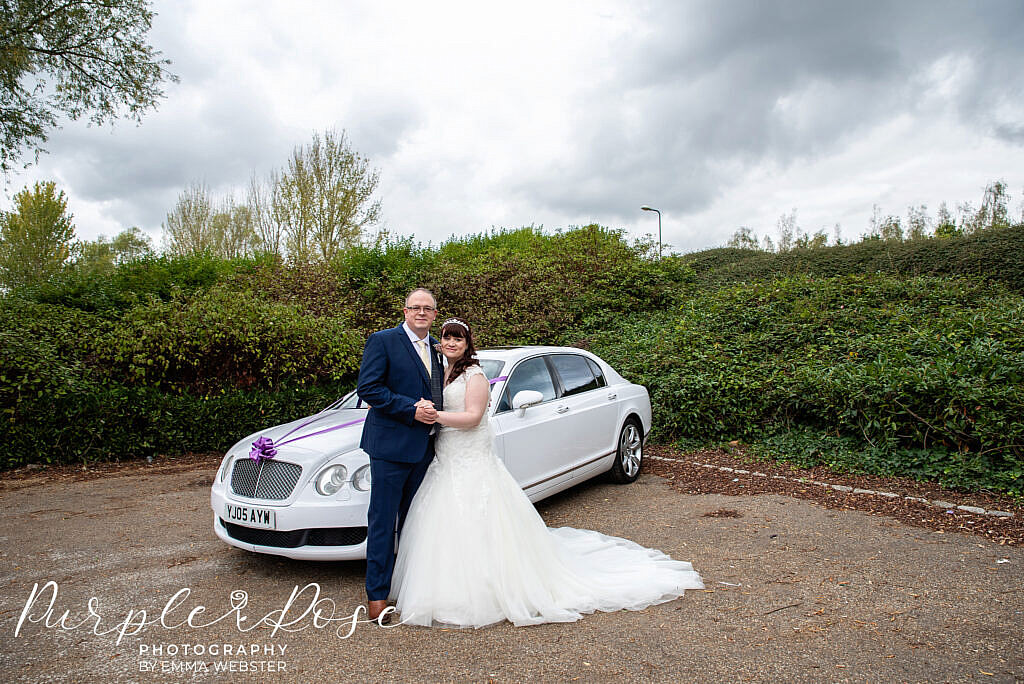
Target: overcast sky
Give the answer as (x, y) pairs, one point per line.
(480, 115)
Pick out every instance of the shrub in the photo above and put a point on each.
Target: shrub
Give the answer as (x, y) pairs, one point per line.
(514, 286)
(165, 355)
(112, 421)
(78, 287)
(523, 287)
(223, 338)
(889, 372)
(995, 254)
(926, 365)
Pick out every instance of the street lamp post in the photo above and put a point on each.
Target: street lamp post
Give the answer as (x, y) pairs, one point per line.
(647, 208)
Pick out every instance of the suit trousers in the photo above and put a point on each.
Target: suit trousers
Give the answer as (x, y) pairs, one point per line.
(392, 487)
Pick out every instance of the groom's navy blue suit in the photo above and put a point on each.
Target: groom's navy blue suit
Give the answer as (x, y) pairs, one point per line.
(392, 378)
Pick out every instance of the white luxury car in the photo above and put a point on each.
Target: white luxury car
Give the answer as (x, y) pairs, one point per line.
(560, 416)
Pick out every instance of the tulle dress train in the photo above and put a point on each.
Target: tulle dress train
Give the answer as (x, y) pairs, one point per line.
(474, 551)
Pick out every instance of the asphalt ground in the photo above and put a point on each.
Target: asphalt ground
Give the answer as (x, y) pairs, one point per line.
(796, 591)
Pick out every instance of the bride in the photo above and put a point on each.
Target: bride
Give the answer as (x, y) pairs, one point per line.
(474, 551)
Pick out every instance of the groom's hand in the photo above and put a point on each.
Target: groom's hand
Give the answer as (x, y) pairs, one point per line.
(425, 411)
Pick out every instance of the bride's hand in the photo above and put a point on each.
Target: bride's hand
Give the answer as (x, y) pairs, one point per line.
(477, 396)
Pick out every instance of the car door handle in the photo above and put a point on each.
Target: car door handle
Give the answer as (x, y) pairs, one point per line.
(562, 409)
(612, 395)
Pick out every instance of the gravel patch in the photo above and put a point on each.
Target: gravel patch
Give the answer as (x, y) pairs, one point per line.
(796, 591)
(921, 504)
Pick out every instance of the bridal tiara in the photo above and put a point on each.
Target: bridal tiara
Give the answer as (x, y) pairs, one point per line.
(455, 321)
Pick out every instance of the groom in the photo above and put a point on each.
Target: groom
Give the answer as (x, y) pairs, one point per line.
(399, 369)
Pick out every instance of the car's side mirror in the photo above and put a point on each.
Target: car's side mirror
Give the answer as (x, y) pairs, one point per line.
(526, 398)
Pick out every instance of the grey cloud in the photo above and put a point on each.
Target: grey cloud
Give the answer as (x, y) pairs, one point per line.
(220, 142)
(682, 110)
(215, 126)
(1010, 132)
(717, 85)
(378, 126)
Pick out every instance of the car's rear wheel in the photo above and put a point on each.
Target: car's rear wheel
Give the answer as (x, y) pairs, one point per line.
(630, 453)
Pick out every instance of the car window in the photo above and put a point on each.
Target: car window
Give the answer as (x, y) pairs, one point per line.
(575, 373)
(531, 374)
(349, 401)
(491, 367)
(598, 373)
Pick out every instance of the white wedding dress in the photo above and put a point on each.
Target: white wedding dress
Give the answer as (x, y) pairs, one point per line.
(474, 551)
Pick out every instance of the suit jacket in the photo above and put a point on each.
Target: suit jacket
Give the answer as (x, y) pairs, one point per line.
(391, 380)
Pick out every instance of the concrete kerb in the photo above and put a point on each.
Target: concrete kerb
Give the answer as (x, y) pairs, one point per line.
(976, 510)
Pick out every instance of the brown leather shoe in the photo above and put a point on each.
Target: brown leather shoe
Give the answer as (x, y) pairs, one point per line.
(375, 608)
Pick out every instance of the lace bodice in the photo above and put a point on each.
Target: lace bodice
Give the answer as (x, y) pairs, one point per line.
(453, 443)
(455, 392)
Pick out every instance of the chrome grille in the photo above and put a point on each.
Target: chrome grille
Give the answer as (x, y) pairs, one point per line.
(272, 480)
(244, 476)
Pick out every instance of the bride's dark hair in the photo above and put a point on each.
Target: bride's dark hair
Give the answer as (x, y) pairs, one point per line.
(456, 327)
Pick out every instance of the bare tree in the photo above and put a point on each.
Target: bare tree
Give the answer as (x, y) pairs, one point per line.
(787, 230)
(232, 230)
(966, 219)
(291, 207)
(267, 229)
(326, 197)
(918, 223)
(188, 229)
(994, 211)
(945, 224)
(891, 228)
(744, 238)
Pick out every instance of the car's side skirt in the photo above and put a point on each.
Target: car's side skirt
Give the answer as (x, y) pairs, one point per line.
(568, 470)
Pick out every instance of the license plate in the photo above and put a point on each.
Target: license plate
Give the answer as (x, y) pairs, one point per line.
(250, 516)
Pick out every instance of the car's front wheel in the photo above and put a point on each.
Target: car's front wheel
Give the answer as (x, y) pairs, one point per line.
(630, 453)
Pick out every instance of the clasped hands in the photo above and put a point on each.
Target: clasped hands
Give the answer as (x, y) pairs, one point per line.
(425, 411)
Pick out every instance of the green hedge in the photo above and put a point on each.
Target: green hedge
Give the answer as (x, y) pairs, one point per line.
(171, 355)
(888, 372)
(101, 421)
(926, 374)
(223, 338)
(515, 286)
(130, 284)
(996, 255)
(189, 374)
(527, 288)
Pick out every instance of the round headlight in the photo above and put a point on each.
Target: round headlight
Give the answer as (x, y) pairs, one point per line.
(361, 479)
(331, 480)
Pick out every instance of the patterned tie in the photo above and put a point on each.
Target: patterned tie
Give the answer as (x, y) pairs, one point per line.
(436, 378)
(424, 357)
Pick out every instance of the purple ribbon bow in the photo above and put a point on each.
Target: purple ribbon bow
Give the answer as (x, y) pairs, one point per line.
(262, 448)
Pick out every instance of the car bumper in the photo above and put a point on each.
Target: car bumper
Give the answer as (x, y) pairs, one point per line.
(330, 516)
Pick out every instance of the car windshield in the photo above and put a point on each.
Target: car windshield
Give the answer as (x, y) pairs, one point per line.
(491, 367)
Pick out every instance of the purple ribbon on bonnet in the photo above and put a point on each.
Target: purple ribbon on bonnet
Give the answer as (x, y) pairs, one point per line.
(262, 448)
(265, 449)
